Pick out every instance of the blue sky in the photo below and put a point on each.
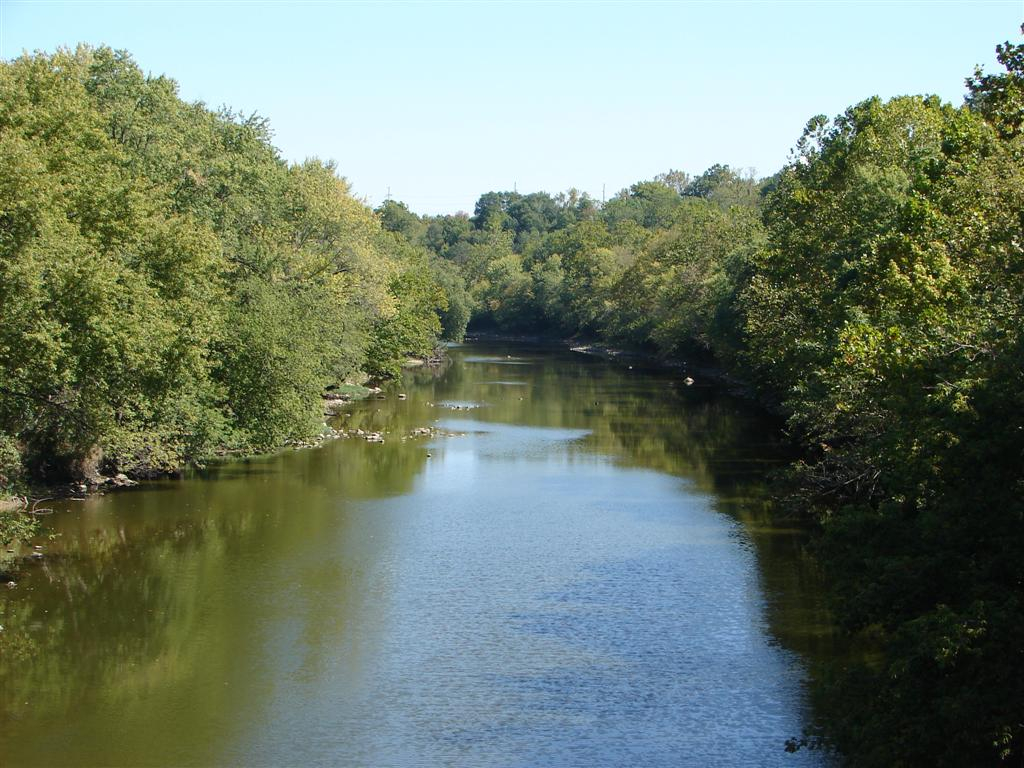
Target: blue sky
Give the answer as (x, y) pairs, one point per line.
(443, 101)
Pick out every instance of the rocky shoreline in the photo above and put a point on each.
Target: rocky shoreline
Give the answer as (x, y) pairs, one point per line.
(334, 400)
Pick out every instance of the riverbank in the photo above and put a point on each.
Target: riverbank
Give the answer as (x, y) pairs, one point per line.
(19, 519)
(694, 372)
(15, 509)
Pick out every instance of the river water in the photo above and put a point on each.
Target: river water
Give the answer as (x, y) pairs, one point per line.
(575, 568)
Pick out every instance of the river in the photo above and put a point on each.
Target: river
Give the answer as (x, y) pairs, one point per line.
(575, 568)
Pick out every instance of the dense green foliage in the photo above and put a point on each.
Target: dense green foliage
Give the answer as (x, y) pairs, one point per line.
(169, 286)
(887, 313)
(569, 265)
(874, 291)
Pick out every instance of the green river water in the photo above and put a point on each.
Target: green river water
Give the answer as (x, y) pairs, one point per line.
(574, 569)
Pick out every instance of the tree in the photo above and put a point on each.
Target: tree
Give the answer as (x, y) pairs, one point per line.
(445, 232)
(456, 316)
(395, 216)
(650, 204)
(1000, 98)
(679, 181)
(491, 211)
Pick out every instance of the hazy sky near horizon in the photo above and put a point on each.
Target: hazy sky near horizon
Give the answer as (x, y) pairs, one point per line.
(441, 102)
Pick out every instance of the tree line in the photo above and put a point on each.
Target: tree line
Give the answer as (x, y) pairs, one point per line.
(171, 287)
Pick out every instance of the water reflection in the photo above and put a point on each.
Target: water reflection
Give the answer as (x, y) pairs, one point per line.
(578, 572)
